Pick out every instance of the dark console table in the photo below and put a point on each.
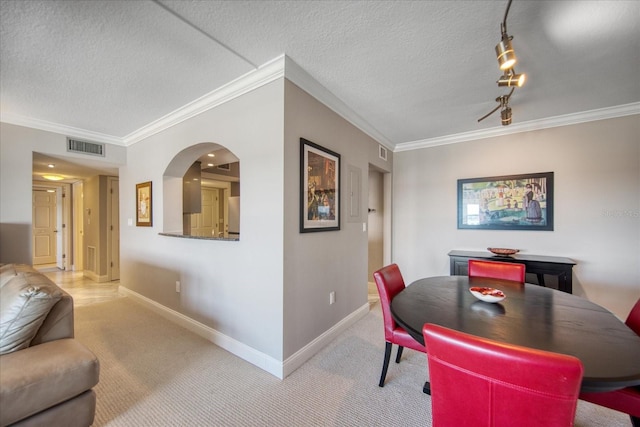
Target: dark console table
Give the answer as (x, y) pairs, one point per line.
(537, 267)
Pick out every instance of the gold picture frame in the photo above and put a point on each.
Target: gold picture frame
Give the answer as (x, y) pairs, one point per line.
(144, 205)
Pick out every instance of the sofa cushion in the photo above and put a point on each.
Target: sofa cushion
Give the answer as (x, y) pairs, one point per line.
(40, 377)
(25, 301)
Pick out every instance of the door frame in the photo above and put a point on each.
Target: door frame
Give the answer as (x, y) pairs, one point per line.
(113, 219)
(63, 221)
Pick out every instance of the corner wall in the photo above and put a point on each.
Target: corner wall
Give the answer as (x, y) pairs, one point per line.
(320, 262)
(597, 204)
(232, 288)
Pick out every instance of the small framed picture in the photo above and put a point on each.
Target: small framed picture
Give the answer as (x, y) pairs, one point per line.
(319, 188)
(144, 207)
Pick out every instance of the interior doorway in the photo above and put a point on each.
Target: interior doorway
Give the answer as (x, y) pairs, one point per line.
(378, 224)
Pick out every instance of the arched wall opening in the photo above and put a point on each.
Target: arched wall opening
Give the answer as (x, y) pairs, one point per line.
(201, 193)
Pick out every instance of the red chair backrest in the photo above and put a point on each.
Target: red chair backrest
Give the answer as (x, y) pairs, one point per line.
(497, 270)
(480, 382)
(633, 319)
(389, 282)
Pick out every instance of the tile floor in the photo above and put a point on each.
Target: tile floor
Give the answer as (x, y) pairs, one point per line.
(83, 290)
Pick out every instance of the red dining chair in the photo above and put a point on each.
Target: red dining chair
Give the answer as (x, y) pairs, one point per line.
(390, 282)
(480, 382)
(497, 270)
(626, 400)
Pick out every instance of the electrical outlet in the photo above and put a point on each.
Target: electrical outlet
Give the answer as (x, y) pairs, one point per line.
(178, 286)
(332, 297)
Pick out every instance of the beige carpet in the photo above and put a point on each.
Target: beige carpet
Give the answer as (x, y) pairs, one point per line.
(154, 373)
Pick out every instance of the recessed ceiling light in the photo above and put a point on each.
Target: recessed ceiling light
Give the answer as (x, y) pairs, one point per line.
(210, 165)
(211, 155)
(53, 177)
(51, 165)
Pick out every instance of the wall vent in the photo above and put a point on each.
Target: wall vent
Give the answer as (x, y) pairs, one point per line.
(382, 152)
(77, 146)
(91, 259)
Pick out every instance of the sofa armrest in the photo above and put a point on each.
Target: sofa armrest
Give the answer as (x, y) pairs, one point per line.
(39, 377)
(59, 322)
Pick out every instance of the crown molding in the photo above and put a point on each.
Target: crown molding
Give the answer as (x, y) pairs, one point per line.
(283, 66)
(266, 73)
(298, 76)
(550, 122)
(18, 120)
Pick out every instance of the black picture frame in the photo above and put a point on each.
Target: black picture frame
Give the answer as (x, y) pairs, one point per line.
(319, 188)
(510, 202)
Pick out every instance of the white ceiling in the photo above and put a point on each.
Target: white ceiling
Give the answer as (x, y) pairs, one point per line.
(411, 70)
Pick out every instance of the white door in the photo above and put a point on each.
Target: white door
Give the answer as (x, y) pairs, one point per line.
(44, 227)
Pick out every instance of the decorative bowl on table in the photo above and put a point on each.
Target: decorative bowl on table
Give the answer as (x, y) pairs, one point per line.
(503, 251)
(487, 294)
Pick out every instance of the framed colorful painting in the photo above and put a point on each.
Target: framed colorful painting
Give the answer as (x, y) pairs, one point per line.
(319, 188)
(513, 202)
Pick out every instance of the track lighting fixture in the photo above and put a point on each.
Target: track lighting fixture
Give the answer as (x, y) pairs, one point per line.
(506, 61)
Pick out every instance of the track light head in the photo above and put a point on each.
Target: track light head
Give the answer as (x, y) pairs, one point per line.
(506, 115)
(505, 53)
(511, 79)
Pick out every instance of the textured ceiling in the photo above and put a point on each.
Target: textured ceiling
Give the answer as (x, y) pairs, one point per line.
(412, 70)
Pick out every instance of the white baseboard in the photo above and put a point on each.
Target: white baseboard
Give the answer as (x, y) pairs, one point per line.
(307, 352)
(243, 351)
(233, 346)
(95, 277)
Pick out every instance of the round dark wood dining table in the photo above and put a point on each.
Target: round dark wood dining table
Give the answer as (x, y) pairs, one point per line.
(530, 316)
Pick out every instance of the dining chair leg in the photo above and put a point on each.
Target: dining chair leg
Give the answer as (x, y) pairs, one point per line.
(385, 366)
(399, 355)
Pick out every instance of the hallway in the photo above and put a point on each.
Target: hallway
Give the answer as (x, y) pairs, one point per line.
(83, 290)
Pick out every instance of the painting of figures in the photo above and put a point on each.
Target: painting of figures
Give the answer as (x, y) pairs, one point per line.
(319, 187)
(514, 202)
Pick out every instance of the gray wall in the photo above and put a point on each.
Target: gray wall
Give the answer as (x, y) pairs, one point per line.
(235, 288)
(597, 204)
(320, 262)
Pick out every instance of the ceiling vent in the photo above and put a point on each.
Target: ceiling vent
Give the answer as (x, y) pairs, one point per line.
(77, 146)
